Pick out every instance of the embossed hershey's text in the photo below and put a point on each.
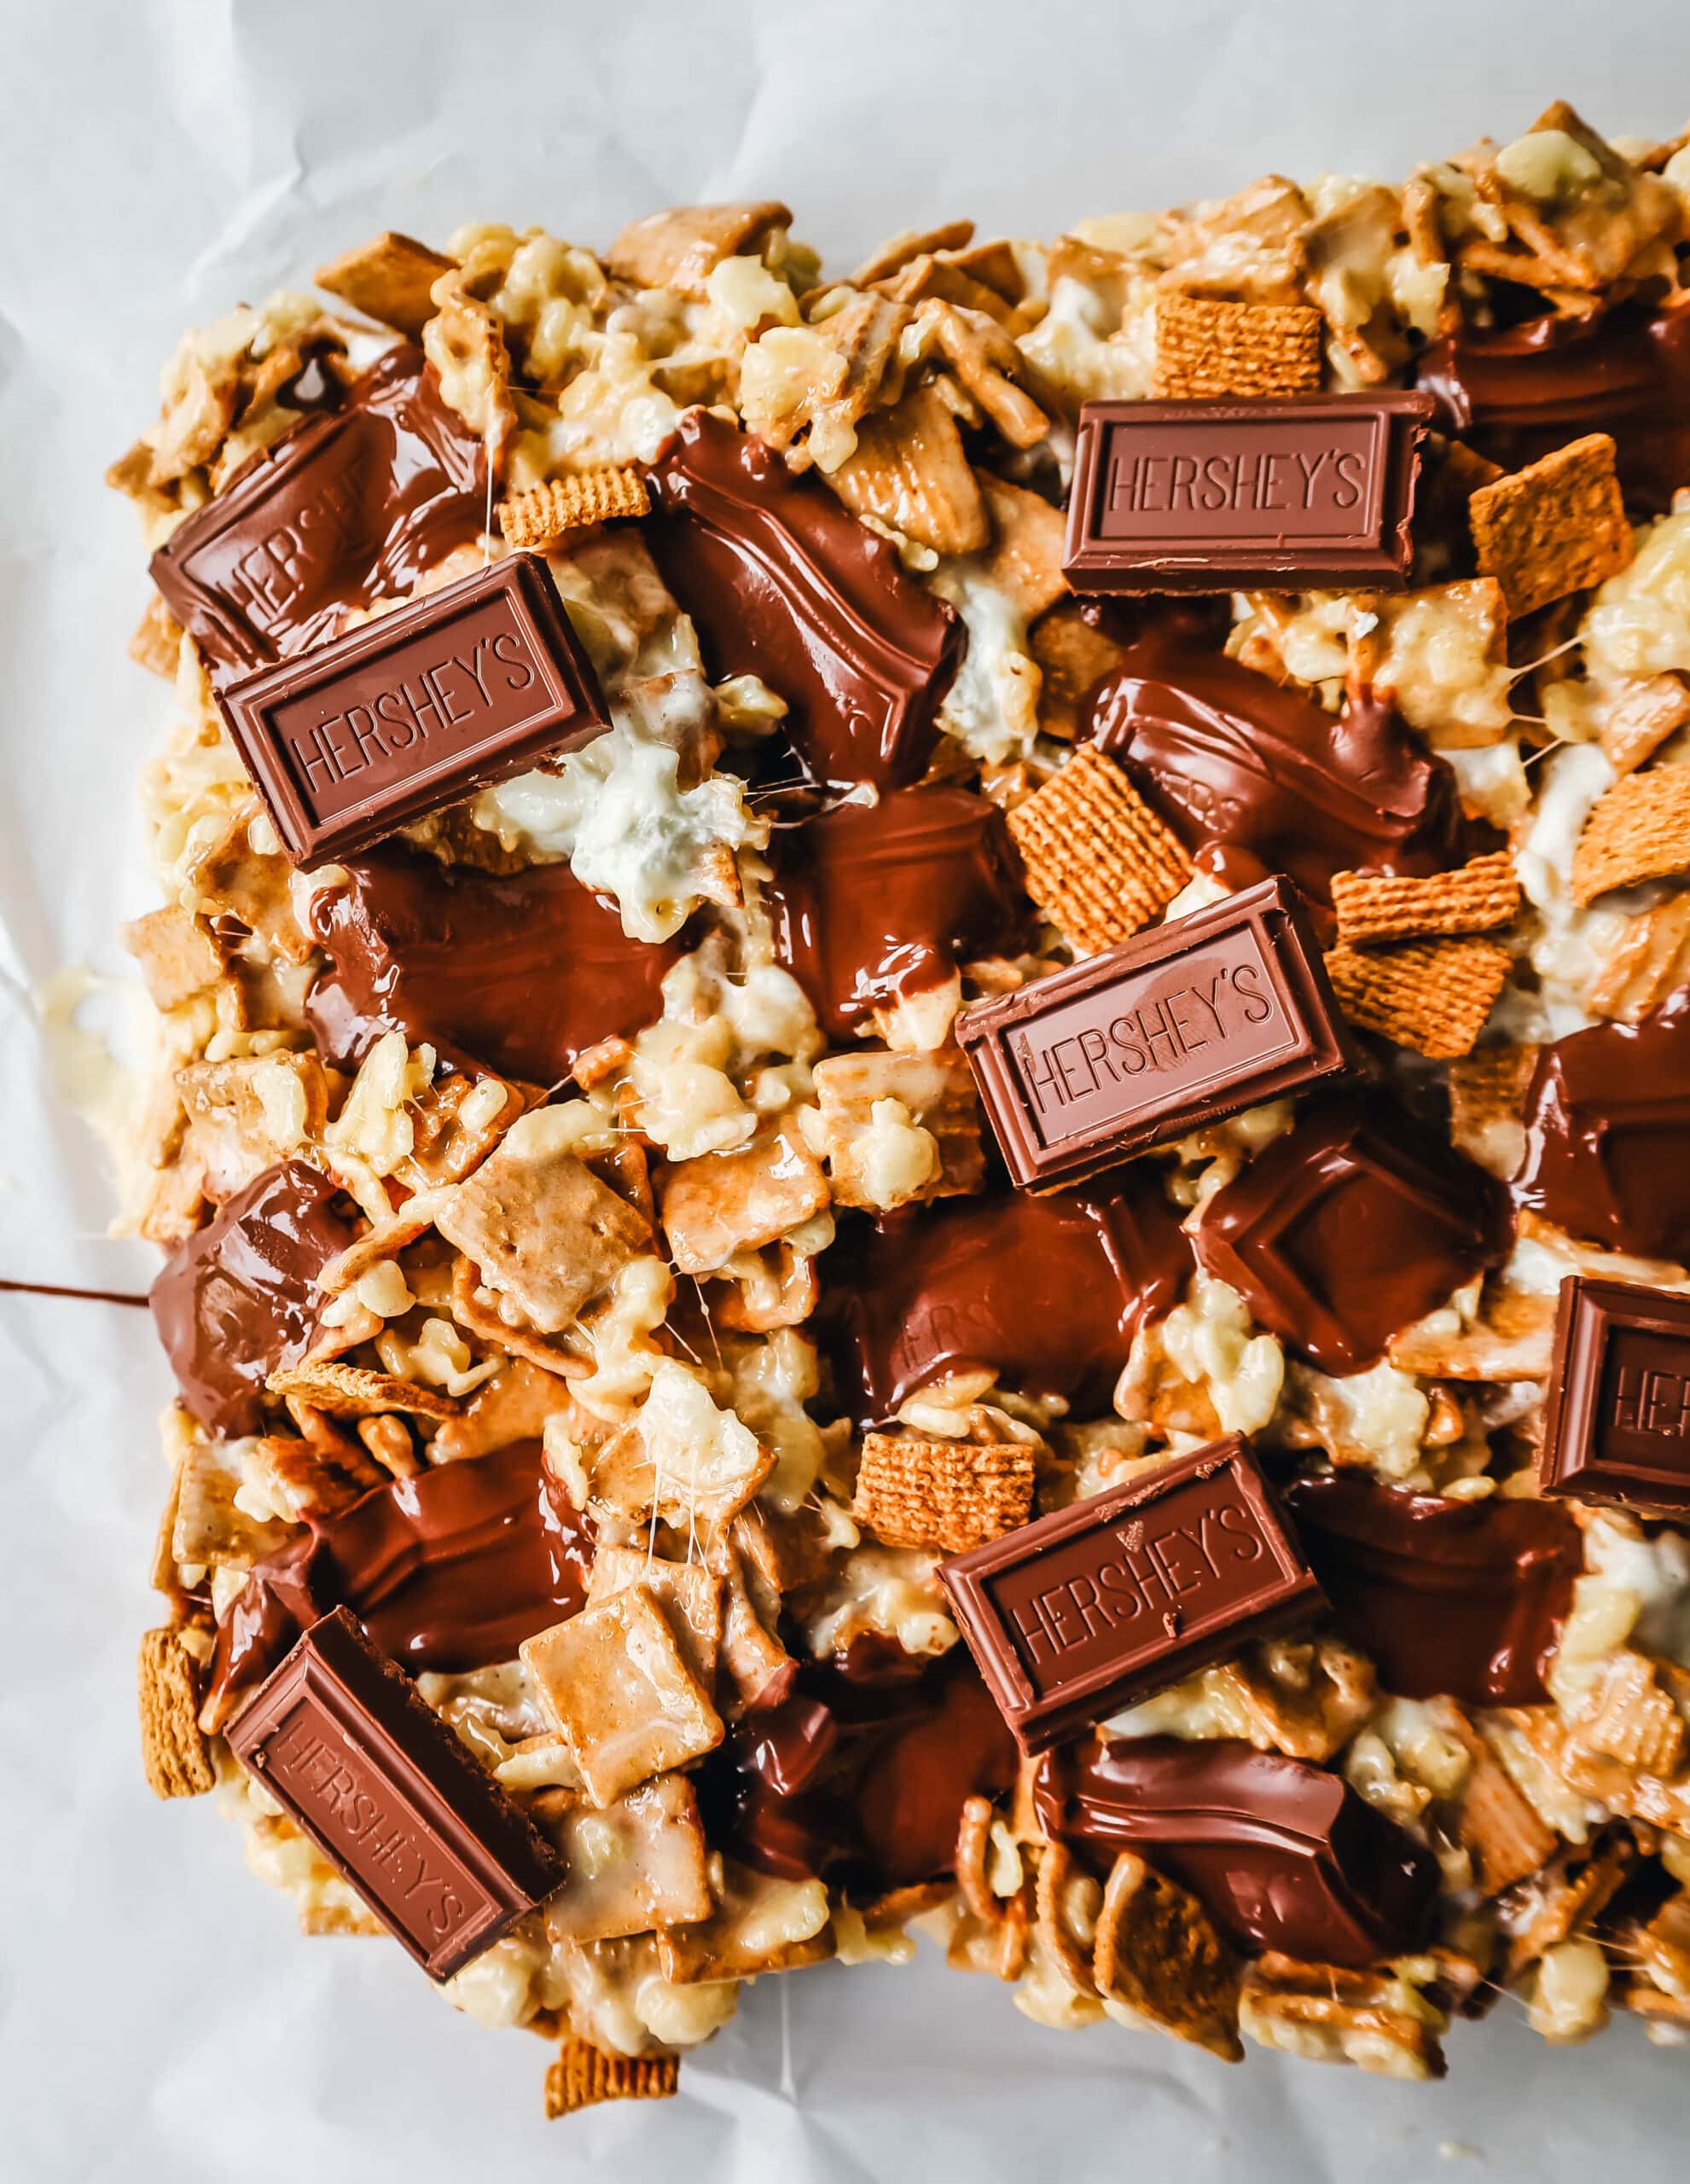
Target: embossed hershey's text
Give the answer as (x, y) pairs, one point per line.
(1128, 1588)
(1151, 1039)
(381, 1845)
(455, 689)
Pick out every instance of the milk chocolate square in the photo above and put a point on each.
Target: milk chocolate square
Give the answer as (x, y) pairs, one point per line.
(1179, 1026)
(1297, 493)
(339, 1738)
(415, 709)
(1616, 1422)
(1077, 1615)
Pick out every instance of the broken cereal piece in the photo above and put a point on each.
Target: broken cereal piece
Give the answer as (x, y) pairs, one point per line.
(1555, 527)
(910, 471)
(535, 520)
(1373, 907)
(353, 1392)
(1329, 2013)
(682, 248)
(176, 1755)
(583, 2075)
(760, 1923)
(1207, 350)
(1487, 1106)
(1431, 995)
(388, 279)
(1642, 720)
(1639, 829)
(1157, 1952)
(952, 1494)
(613, 1680)
(177, 955)
(1100, 865)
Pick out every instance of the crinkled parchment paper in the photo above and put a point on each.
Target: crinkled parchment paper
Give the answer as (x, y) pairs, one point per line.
(159, 161)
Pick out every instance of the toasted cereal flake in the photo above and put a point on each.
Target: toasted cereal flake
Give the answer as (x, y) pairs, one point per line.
(932, 1094)
(1029, 540)
(681, 248)
(688, 1593)
(542, 1227)
(1158, 1952)
(535, 520)
(913, 1492)
(1433, 995)
(1495, 1822)
(613, 1680)
(1206, 349)
(634, 1866)
(465, 342)
(760, 1923)
(1330, 2013)
(1629, 1717)
(728, 1202)
(909, 471)
(1554, 528)
(177, 1757)
(910, 243)
(156, 644)
(1487, 1103)
(177, 955)
(1650, 961)
(1637, 723)
(1375, 906)
(583, 2075)
(1072, 658)
(1638, 830)
(353, 1392)
(990, 366)
(388, 279)
(1100, 865)
(1573, 1889)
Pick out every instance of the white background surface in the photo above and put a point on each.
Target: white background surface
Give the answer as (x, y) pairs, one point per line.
(160, 160)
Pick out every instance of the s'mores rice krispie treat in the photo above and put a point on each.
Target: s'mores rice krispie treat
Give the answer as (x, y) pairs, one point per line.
(922, 1111)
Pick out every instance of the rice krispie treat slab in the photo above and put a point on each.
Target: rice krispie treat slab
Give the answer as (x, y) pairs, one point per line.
(922, 1091)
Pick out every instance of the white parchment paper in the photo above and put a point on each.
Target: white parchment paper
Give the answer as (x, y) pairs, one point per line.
(160, 160)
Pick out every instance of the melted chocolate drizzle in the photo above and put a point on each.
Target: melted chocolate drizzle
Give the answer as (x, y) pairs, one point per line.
(1459, 1599)
(1607, 1120)
(870, 905)
(1257, 779)
(520, 974)
(347, 507)
(784, 583)
(1352, 1226)
(1284, 1855)
(861, 1773)
(59, 1289)
(1049, 1291)
(240, 1299)
(1522, 390)
(450, 1570)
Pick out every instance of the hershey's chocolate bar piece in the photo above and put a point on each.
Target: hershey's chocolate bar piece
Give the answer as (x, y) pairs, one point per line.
(1288, 495)
(1456, 1600)
(415, 709)
(1080, 1613)
(1285, 1855)
(351, 503)
(1616, 1423)
(339, 1738)
(1181, 1025)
